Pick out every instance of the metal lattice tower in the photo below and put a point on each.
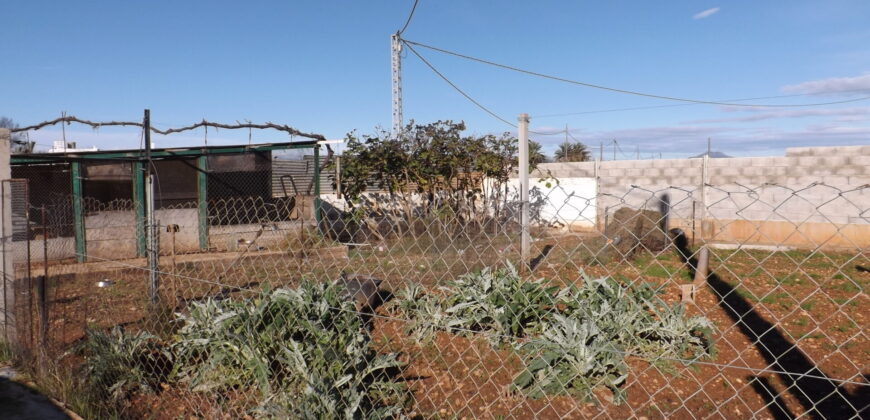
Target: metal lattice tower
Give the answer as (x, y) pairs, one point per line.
(396, 65)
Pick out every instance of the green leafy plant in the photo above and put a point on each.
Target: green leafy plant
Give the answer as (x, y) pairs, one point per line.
(498, 301)
(305, 350)
(119, 363)
(422, 310)
(432, 175)
(572, 357)
(637, 318)
(571, 339)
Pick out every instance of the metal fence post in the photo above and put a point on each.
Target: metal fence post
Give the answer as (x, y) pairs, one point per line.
(317, 215)
(41, 306)
(202, 200)
(139, 206)
(78, 212)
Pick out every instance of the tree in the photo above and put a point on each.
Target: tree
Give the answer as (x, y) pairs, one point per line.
(19, 143)
(433, 170)
(536, 154)
(572, 152)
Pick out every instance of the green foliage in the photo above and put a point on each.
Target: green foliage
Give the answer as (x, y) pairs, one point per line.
(305, 351)
(637, 319)
(118, 363)
(429, 158)
(536, 154)
(7, 354)
(422, 310)
(572, 152)
(497, 301)
(433, 170)
(571, 339)
(572, 357)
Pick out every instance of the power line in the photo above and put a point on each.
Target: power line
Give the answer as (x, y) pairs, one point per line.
(470, 99)
(462, 92)
(624, 91)
(636, 108)
(410, 15)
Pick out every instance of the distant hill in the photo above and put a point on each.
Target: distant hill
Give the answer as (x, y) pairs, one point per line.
(712, 155)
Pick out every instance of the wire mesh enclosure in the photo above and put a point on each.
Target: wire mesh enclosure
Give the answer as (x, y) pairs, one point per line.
(721, 301)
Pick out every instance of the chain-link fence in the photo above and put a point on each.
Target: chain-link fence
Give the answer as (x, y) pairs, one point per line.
(724, 301)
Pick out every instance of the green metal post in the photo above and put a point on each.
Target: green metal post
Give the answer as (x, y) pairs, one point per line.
(78, 211)
(317, 215)
(139, 206)
(202, 199)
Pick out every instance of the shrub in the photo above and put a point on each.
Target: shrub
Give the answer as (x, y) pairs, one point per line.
(304, 350)
(601, 322)
(638, 319)
(570, 339)
(497, 302)
(572, 357)
(119, 363)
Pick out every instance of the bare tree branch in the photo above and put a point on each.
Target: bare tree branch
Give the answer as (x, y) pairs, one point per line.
(97, 124)
(269, 125)
(72, 119)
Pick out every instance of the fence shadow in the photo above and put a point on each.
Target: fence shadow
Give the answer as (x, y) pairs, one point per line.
(818, 394)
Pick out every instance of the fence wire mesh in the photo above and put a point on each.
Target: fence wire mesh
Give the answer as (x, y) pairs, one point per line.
(724, 301)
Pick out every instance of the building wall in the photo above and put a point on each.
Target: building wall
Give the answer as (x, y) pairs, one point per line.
(809, 197)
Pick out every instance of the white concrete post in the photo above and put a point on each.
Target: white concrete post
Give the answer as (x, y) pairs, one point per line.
(7, 306)
(705, 179)
(523, 128)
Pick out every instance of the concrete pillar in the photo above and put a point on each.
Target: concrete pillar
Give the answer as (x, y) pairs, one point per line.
(523, 131)
(706, 225)
(7, 304)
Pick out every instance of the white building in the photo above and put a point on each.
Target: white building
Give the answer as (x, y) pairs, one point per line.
(60, 146)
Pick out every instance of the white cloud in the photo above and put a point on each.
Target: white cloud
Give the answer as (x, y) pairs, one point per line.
(735, 140)
(832, 85)
(848, 114)
(706, 13)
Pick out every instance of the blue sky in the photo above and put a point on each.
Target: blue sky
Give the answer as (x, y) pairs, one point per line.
(324, 67)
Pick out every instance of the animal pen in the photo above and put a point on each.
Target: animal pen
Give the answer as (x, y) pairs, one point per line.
(279, 298)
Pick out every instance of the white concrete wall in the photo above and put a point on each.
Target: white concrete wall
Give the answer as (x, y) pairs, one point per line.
(564, 202)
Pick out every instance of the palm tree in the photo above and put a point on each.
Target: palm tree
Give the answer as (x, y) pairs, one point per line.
(572, 152)
(536, 155)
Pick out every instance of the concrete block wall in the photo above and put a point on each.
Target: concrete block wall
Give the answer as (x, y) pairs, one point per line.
(809, 197)
(637, 184)
(112, 234)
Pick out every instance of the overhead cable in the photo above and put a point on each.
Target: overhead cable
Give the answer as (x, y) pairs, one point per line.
(625, 91)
